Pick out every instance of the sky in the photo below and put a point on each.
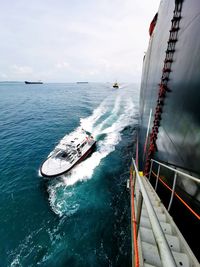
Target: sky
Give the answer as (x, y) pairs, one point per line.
(74, 40)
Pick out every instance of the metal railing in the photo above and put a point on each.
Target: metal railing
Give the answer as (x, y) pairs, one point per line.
(165, 253)
(190, 177)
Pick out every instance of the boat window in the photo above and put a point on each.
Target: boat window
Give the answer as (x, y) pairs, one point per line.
(63, 154)
(83, 144)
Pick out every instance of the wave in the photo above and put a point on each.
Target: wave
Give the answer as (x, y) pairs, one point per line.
(108, 134)
(110, 118)
(28, 248)
(89, 122)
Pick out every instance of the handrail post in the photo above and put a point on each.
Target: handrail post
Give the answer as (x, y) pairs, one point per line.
(139, 210)
(172, 194)
(134, 180)
(139, 205)
(158, 172)
(150, 169)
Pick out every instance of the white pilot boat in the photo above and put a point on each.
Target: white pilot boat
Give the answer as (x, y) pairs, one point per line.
(71, 150)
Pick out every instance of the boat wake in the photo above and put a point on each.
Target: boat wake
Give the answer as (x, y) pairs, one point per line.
(106, 125)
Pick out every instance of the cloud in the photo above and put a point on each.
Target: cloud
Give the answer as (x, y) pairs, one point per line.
(3, 75)
(63, 65)
(102, 40)
(21, 70)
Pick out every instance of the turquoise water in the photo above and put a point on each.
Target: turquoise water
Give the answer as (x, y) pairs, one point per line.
(80, 219)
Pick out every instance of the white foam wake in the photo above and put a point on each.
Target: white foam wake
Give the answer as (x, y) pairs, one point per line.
(88, 123)
(110, 118)
(110, 129)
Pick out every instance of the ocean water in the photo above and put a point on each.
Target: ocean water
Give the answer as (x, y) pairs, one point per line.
(79, 219)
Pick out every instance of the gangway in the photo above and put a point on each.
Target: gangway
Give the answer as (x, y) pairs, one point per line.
(156, 240)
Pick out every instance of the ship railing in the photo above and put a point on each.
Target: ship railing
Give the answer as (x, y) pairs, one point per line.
(166, 256)
(175, 171)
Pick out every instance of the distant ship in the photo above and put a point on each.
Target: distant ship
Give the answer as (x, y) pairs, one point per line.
(39, 82)
(69, 152)
(116, 85)
(81, 82)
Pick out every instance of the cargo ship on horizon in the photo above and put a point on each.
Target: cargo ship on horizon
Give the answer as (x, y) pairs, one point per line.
(29, 82)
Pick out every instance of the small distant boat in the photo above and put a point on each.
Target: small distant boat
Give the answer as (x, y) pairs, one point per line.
(39, 82)
(69, 152)
(116, 85)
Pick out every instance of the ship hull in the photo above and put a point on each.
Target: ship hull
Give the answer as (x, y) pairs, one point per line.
(177, 139)
(26, 82)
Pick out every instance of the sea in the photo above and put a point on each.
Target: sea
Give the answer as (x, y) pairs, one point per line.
(81, 218)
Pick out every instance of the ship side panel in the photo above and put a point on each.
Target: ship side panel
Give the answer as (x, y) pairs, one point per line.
(179, 134)
(178, 139)
(152, 71)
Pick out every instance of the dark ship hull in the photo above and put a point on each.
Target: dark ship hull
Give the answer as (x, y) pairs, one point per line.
(169, 106)
(27, 82)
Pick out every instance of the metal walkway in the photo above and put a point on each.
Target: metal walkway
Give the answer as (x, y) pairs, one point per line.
(157, 242)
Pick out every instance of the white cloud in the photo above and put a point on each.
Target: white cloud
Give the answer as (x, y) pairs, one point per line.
(22, 70)
(3, 75)
(63, 65)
